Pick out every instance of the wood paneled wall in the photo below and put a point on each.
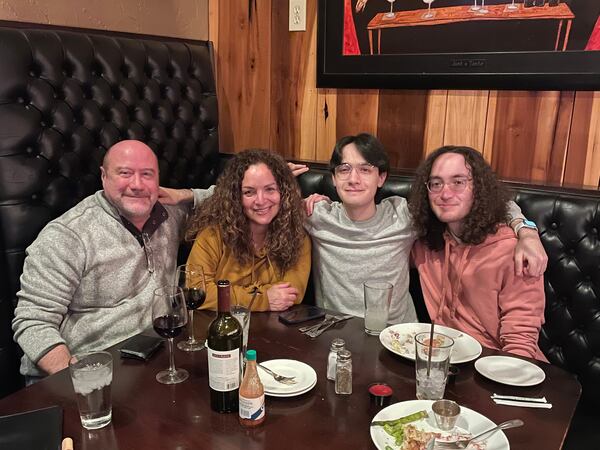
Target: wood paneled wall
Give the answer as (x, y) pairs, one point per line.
(268, 98)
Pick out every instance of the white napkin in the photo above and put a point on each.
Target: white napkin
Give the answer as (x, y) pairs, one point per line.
(524, 404)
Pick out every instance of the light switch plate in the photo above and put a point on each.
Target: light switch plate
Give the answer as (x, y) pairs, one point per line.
(297, 15)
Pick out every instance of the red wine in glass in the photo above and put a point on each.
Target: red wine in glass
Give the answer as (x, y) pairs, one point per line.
(169, 316)
(194, 297)
(190, 278)
(168, 326)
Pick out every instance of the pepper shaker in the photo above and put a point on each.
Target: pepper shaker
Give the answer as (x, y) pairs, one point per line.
(343, 373)
(336, 345)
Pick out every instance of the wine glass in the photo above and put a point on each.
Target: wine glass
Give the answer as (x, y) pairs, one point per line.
(168, 318)
(190, 278)
(391, 14)
(475, 7)
(429, 14)
(483, 9)
(512, 6)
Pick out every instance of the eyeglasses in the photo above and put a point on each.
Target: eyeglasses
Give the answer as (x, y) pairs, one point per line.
(436, 185)
(344, 170)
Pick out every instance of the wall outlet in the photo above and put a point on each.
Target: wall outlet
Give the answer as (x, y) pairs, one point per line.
(297, 15)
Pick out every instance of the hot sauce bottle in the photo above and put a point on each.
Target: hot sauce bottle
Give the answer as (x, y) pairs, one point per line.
(252, 394)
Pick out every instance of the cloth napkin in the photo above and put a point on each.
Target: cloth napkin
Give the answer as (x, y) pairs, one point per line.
(526, 402)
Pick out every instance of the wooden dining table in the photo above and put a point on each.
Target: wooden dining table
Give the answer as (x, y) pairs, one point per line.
(148, 415)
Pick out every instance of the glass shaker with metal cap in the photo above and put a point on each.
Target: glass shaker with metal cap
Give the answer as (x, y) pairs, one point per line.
(343, 373)
(336, 345)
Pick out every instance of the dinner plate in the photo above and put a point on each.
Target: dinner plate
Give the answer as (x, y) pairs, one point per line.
(305, 375)
(469, 421)
(511, 371)
(400, 339)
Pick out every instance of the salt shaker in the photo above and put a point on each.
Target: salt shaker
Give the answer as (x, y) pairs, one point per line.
(336, 345)
(343, 373)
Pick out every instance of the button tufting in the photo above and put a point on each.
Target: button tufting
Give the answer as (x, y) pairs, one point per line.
(554, 225)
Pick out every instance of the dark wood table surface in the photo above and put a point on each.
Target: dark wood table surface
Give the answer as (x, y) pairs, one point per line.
(148, 415)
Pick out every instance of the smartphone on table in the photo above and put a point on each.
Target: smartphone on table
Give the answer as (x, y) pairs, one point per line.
(301, 313)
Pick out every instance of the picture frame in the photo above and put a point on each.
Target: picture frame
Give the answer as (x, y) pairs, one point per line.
(550, 45)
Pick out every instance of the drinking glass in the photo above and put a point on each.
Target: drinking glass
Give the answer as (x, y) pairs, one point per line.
(378, 296)
(91, 374)
(242, 314)
(512, 6)
(431, 370)
(190, 278)
(429, 14)
(391, 14)
(475, 7)
(169, 316)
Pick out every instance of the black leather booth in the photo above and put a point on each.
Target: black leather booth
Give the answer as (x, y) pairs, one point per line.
(65, 98)
(569, 223)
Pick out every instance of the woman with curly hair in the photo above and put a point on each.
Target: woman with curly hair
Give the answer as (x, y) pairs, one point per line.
(251, 233)
(465, 254)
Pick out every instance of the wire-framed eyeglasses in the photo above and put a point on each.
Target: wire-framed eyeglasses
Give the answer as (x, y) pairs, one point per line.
(436, 185)
(344, 170)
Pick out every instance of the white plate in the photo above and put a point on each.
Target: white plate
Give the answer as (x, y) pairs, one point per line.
(469, 420)
(399, 339)
(511, 371)
(306, 377)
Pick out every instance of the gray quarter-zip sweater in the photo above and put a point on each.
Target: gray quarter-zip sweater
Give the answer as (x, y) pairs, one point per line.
(88, 283)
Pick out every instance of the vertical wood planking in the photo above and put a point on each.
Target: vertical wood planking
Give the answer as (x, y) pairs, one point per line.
(465, 122)
(326, 123)
(243, 64)
(437, 103)
(356, 111)
(293, 91)
(401, 125)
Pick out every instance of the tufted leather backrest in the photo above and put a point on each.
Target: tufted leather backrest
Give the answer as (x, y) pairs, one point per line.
(65, 98)
(569, 223)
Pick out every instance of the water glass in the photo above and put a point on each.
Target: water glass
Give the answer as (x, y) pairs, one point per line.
(432, 370)
(91, 374)
(378, 296)
(242, 314)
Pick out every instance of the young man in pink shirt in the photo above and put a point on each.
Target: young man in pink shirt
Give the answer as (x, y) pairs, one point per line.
(465, 254)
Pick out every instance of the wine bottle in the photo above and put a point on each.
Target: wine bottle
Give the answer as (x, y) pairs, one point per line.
(223, 344)
(252, 394)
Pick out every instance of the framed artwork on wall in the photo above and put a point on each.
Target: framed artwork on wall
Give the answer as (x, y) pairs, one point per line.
(459, 44)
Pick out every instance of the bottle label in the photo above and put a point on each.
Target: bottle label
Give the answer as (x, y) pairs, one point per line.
(252, 408)
(223, 369)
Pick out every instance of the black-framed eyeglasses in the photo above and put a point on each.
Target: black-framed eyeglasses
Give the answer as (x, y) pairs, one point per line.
(344, 170)
(436, 185)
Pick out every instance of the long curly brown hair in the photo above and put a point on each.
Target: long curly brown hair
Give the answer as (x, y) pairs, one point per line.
(489, 207)
(224, 210)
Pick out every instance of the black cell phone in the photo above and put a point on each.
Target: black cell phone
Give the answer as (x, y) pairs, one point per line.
(140, 347)
(299, 314)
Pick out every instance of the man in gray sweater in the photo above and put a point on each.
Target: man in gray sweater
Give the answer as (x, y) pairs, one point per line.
(89, 277)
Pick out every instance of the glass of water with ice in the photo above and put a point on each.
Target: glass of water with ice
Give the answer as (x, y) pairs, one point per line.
(432, 358)
(378, 296)
(91, 374)
(242, 314)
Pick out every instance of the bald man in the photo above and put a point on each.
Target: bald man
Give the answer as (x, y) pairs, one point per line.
(89, 277)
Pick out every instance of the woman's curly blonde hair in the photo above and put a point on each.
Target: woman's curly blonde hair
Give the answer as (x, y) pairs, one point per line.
(224, 210)
(489, 207)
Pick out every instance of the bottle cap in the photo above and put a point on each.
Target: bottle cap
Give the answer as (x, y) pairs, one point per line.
(380, 393)
(251, 355)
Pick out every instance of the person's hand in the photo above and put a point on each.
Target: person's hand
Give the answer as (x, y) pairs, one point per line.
(168, 196)
(297, 169)
(360, 5)
(530, 257)
(281, 296)
(309, 202)
(55, 360)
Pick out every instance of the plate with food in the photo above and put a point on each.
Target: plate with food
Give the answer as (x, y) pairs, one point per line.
(400, 339)
(410, 425)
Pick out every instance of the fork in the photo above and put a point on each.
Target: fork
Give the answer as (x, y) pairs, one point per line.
(464, 443)
(320, 330)
(305, 329)
(279, 378)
